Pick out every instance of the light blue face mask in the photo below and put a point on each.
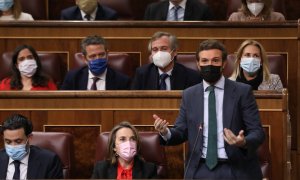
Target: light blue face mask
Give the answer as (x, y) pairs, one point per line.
(250, 64)
(17, 152)
(6, 4)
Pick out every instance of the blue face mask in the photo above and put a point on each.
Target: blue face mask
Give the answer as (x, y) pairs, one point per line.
(250, 64)
(17, 152)
(6, 4)
(97, 66)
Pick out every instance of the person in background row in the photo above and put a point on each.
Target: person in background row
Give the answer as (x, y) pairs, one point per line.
(96, 75)
(88, 10)
(19, 159)
(164, 73)
(220, 120)
(12, 10)
(124, 160)
(26, 72)
(178, 10)
(251, 67)
(256, 10)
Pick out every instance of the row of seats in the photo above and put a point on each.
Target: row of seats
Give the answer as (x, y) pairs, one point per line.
(62, 144)
(54, 65)
(130, 9)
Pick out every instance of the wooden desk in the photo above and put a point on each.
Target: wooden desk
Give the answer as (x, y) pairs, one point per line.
(86, 114)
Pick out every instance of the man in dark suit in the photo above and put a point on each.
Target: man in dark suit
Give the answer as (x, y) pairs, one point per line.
(19, 160)
(185, 10)
(164, 72)
(88, 10)
(220, 120)
(96, 75)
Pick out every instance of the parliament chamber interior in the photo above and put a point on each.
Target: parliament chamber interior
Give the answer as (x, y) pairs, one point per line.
(74, 124)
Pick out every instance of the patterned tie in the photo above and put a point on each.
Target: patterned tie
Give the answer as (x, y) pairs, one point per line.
(176, 8)
(163, 85)
(212, 149)
(94, 85)
(17, 169)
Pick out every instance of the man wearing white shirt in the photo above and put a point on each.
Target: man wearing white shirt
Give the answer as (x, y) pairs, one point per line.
(178, 10)
(220, 120)
(19, 159)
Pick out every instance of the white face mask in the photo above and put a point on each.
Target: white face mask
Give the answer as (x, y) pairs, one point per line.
(255, 8)
(250, 64)
(28, 67)
(161, 59)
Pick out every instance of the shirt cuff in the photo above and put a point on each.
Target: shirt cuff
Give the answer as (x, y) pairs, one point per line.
(167, 136)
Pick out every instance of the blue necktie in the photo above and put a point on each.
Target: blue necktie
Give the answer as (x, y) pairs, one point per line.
(163, 85)
(176, 8)
(17, 169)
(212, 149)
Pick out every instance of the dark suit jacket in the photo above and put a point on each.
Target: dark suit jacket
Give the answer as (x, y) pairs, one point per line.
(42, 164)
(147, 77)
(103, 13)
(78, 80)
(239, 113)
(141, 170)
(194, 11)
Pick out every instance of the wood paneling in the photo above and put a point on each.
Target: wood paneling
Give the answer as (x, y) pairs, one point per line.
(85, 114)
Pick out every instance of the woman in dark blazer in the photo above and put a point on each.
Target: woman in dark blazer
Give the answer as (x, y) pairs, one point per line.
(124, 161)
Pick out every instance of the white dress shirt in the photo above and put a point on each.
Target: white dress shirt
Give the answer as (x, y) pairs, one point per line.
(219, 93)
(92, 15)
(100, 83)
(23, 168)
(180, 12)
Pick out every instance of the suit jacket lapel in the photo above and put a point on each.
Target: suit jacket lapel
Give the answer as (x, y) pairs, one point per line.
(83, 79)
(112, 171)
(153, 79)
(109, 80)
(177, 78)
(3, 164)
(136, 170)
(164, 11)
(78, 15)
(99, 13)
(200, 113)
(188, 11)
(228, 103)
(33, 165)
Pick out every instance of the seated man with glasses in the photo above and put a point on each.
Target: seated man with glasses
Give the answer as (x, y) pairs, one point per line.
(96, 75)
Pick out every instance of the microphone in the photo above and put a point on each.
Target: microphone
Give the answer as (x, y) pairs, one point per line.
(193, 149)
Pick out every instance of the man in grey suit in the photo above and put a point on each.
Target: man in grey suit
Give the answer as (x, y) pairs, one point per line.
(220, 120)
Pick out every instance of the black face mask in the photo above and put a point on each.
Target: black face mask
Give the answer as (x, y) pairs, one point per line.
(210, 73)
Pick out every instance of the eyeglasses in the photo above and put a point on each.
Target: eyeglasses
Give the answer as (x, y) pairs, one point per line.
(25, 57)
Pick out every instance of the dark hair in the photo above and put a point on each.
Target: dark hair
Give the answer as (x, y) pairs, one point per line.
(211, 44)
(38, 79)
(92, 40)
(17, 121)
(112, 139)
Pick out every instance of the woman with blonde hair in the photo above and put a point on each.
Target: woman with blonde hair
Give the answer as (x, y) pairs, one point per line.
(252, 67)
(256, 10)
(12, 10)
(124, 160)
